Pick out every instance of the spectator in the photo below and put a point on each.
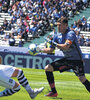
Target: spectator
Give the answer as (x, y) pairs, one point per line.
(20, 43)
(12, 40)
(84, 23)
(74, 8)
(27, 17)
(85, 3)
(5, 7)
(10, 10)
(27, 27)
(78, 36)
(82, 40)
(88, 26)
(74, 25)
(56, 14)
(9, 26)
(87, 43)
(6, 36)
(34, 21)
(80, 24)
(5, 24)
(25, 35)
(1, 30)
(14, 31)
(77, 29)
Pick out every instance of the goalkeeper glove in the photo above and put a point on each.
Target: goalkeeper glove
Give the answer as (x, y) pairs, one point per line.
(51, 42)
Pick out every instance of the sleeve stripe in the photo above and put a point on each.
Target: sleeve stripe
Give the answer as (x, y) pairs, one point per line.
(68, 42)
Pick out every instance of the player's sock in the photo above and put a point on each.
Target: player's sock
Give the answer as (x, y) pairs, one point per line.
(50, 79)
(87, 85)
(8, 92)
(24, 82)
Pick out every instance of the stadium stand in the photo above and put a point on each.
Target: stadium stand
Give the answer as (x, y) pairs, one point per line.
(27, 20)
(85, 49)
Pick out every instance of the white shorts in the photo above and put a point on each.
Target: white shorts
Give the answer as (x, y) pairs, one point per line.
(6, 72)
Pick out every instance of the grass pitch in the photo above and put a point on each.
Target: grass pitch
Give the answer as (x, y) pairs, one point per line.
(67, 85)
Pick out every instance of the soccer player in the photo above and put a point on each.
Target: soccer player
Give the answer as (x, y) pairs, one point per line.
(6, 72)
(66, 41)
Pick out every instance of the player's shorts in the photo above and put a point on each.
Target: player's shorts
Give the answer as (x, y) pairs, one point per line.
(6, 72)
(64, 65)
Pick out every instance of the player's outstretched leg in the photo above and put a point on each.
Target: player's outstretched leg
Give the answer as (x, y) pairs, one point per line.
(8, 92)
(24, 82)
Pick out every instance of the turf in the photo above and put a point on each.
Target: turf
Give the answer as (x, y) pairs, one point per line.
(67, 84)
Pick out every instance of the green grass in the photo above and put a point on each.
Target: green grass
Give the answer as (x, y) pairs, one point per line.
(67, 84)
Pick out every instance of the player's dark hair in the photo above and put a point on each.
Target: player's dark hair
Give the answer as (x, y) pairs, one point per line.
(63, 20)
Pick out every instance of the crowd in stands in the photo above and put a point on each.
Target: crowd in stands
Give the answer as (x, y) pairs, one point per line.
(81, 25)
(35, 17)
(4, 5)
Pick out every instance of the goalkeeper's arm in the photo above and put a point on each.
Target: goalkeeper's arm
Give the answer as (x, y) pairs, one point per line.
(48, 50)
(64, 46)
(45, 50)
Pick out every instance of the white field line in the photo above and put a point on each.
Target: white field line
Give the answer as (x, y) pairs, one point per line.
(69, 83)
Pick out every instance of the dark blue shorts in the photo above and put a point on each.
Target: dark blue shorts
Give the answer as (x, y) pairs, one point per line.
(65, 64)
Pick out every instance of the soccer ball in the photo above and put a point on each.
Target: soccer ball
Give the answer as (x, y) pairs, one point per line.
(32, 49)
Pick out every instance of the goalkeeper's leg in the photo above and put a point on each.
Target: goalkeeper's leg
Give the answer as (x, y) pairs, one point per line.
(85, 82)
(79, 71)
(50, 78)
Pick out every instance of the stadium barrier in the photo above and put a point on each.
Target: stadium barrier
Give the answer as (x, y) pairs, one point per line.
(19, 57)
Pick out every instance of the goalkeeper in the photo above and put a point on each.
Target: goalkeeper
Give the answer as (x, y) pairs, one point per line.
(66, 41)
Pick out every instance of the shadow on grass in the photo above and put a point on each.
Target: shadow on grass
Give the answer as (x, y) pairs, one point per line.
(58, 98)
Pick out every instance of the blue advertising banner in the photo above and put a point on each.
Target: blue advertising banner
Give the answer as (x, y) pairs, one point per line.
(25, 60)
(12, 56)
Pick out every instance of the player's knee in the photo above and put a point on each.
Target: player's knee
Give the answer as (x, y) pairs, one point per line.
(82, 78)
(49, 68)
(17, 88)
(16, 85)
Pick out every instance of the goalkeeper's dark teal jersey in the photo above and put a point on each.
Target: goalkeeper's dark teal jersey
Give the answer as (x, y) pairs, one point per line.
(74, 52)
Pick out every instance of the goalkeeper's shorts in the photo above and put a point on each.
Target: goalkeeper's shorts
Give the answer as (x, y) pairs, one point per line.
(64, 65)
